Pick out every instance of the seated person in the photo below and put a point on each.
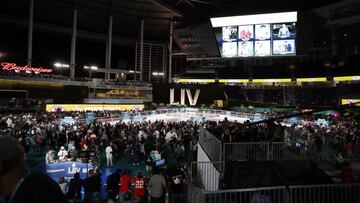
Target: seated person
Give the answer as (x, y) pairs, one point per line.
(62, 154)
(49, 157)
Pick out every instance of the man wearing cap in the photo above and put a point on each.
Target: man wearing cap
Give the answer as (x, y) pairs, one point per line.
(18, 184)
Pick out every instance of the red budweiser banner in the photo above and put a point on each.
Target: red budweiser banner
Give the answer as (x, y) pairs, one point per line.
(12, 66)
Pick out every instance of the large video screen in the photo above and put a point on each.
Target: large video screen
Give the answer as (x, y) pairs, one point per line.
(272, 34)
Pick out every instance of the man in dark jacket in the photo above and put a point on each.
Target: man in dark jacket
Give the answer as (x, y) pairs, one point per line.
(75, 187)
(112, 184)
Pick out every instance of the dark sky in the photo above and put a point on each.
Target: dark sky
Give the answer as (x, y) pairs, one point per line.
(50, 47)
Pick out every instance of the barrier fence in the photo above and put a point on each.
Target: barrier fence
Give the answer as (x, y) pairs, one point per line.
(266, 151)
(337, 193)
(272, 194)
(211, 145)
(205, 175)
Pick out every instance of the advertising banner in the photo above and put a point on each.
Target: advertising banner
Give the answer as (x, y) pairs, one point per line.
(67, 170)
(350, 101)
(93, 107)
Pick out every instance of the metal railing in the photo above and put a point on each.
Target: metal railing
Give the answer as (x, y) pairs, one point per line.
(195, 195)
(211, 145)
(255, 151)
(337, 193)
(251, 195)
(266, 151)
(205, 175)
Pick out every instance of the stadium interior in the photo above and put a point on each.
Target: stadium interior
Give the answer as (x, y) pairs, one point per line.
(198, 101)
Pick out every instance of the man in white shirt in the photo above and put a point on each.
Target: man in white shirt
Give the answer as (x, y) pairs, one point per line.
(170, 135)
(109, 156)
(62, 154)
(49, 157)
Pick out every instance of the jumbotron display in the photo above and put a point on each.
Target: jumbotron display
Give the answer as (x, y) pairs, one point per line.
(272, 34)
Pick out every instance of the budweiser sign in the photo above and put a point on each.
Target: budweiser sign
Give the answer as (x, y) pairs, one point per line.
(12, 66)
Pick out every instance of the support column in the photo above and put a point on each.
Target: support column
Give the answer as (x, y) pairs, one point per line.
(73, 46)
(30, 32)
(141, 49)
(334, 41)
(136, 61)
(292, 73)
(250, 71)
(150, 73)
(170, 48)
(164, 64)
(108, 49)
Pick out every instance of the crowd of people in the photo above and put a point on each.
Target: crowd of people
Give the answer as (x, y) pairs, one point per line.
(146, 143)
(336, 138)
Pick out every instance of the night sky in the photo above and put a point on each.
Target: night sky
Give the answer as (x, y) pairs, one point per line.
(50, 47)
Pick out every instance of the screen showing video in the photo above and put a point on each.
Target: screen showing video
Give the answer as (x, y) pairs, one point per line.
(283, 47)
(262, 48)
(229, 49)
(246, 48)
(246, 32)
(262, 31)
(272, 34)
(284, 31)
(229, 33)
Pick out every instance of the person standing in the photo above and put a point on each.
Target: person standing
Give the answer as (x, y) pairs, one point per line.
(109, 156)
(177, 183)
(125, 182)
(92, 186)
(74, 192)
(63, 185)
(157, 187)
(18, 184)
(112, 184)
(140, 187)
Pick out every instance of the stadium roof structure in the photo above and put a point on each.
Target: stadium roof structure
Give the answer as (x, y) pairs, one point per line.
(93, 15)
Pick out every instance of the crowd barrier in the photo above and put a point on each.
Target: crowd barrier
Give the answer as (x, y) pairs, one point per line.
(206, 175)
(337, 193)
(211, 145)
(267, 151)
(272, 151)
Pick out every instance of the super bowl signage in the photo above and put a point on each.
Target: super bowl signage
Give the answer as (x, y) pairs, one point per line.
(6, 66)
(192, 100)
(67, 169)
